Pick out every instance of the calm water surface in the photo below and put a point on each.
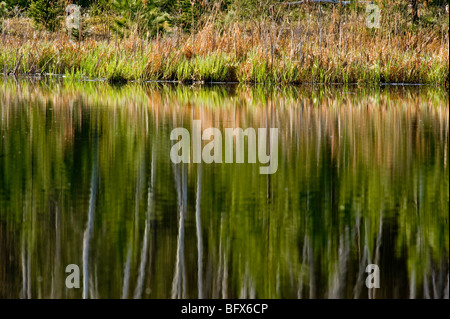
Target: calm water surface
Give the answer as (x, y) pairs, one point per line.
(86, 179)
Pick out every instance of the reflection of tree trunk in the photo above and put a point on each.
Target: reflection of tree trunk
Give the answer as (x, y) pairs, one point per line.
(441, 280)
(57, 257)
(225, 274)
(178, 279)
(199, 234)
(360, 280)
(24, 270)
(337, 289)
(30, 241)
(90, 223)
(126, 273)
(312, 283)
(362, 266)
(415, 10)
(412, 284)
(302, 268)
(27, 226)
(220, 268)
(146, 240)
(377, 253)
(439, 288)
(426, 289)
(127, 268)
(93, 284)
(142, 266)
(446, 289)
(222, 274)
(27, 239)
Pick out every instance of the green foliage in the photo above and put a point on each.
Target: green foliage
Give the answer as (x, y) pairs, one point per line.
(3, 10)
(145, 16)
(17, 3)
(46, 13)
(100, 8)
(85, 31)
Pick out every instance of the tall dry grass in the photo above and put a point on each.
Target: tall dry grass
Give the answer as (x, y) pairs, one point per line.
(327, 45)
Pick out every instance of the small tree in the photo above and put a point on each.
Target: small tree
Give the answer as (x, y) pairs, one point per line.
(142, 14)
(3, 9)
(47, 13)
(414, 10)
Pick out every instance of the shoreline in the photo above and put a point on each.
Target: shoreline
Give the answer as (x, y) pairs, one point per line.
(191, 82)
(343, 50)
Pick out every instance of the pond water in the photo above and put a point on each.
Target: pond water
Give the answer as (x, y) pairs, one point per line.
(86, 178)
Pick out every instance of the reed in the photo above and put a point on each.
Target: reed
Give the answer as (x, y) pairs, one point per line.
(340, 49)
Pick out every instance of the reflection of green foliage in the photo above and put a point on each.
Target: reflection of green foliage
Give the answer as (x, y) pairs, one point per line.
(355, 165)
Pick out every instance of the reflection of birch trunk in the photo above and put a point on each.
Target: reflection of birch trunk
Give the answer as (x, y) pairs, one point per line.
(93, 284)
(441, 280)
(433, 281)
(362, 266)
(30, 233)
(199, 234)
(248, 290)
(336, 289)
(126, 273)
(225, 274)
(27, 239)
(176, 275)
(178, 279)
(30, 241)
(377, 252)
(446, 296)
(220, 268)
(426, 289)
(344, 258)
(439, 288)
(302, 268)
(146, 240)
(222, 276)
(183, 268)
(90, 223)
(416, 201)
(412, 282)
(24, 294)
(127, 268)
(312, 283)
(57, 257)
(144, 252)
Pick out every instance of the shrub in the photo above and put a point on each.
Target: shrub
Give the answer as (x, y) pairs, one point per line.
(3, 9)
(146, 15)
(47, 13)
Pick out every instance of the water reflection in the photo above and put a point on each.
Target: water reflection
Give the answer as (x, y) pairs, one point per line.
(86, 179)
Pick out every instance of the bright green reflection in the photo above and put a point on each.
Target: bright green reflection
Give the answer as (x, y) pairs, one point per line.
(86, 179)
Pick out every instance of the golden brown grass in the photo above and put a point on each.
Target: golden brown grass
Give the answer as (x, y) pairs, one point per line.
(332, 46)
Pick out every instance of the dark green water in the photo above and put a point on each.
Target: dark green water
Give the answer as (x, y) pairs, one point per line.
(86, 178)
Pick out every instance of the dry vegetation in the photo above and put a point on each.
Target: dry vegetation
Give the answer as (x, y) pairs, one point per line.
(326, 43)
